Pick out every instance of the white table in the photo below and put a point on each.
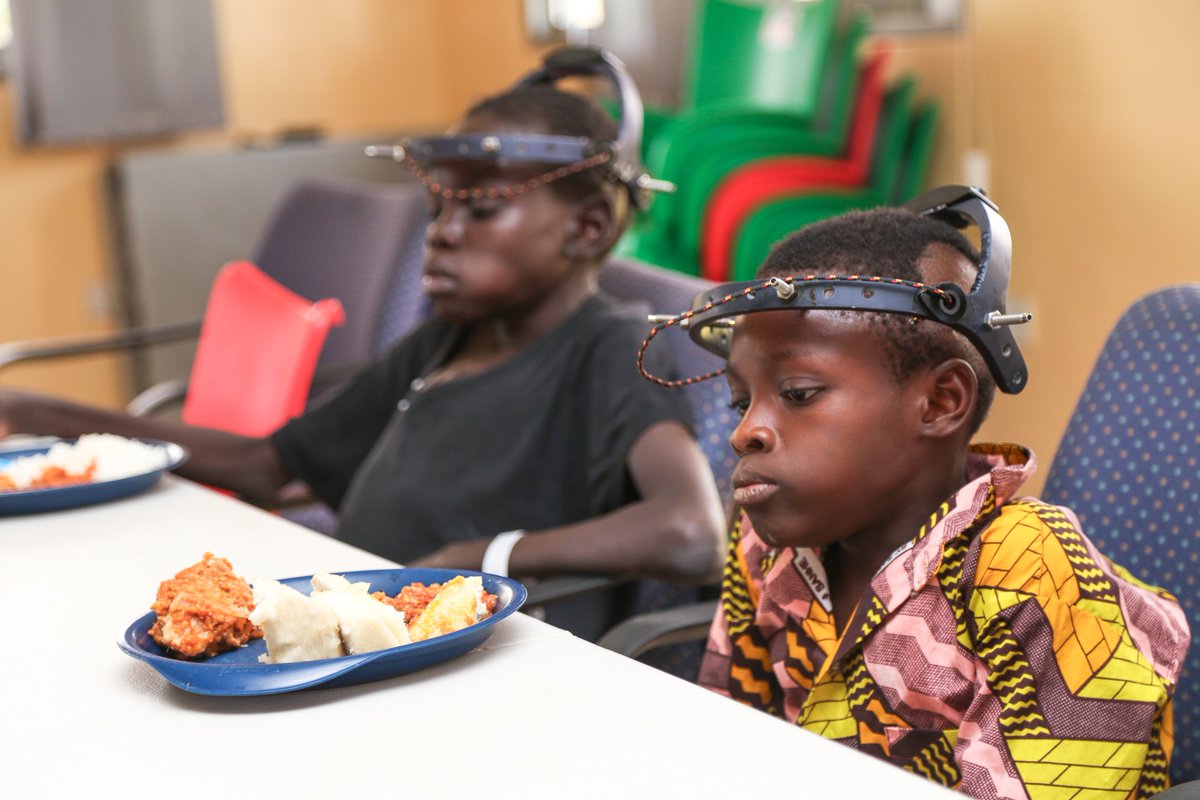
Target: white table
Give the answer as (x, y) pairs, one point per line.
(535, 712)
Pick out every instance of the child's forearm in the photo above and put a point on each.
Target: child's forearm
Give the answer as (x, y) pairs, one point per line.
(248, 466)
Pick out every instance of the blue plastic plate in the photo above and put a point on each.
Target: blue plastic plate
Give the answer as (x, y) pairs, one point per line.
(30, 501)
(239, 673)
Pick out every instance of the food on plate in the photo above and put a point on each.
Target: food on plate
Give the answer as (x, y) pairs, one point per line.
(365, 623)
(458, 604)
(412, 599)
(207, 609)
(339, 618)
(92, 457)
(343, 618)
(204, 610)
(297, 627)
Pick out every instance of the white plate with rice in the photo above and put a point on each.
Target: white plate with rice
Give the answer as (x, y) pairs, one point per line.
(119, 467)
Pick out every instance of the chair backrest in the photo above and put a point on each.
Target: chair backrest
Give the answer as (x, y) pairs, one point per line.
(1127, 466)
(358, 242)
(670, 292)
(753, 183)
(362, 243)
(258, 347)
(766, 55)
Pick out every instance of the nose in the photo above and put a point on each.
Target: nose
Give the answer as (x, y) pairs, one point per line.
(753, 434)
(446, 228)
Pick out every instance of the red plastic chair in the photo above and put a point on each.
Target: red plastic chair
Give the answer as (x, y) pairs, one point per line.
(750, 186)
(258, 348)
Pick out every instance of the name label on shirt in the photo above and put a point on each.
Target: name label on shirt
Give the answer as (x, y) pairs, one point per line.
(813, 573)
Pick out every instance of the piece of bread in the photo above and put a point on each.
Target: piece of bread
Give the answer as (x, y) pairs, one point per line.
(364, 623)
(296, 627)
(325, 582)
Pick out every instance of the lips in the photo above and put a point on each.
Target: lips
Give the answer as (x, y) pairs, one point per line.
(436, 280)
(750, 489)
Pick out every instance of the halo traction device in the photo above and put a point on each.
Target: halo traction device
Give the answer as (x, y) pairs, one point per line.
(570, 154)
(979, 314)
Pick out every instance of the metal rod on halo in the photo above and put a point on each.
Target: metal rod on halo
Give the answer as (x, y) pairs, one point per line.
(395, 152)
(995, 319)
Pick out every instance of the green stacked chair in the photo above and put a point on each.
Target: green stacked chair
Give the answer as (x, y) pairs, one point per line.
(776, 218)
(697, 148)
(759, 55)
(828, 137)
(898, 167)
(770, 80)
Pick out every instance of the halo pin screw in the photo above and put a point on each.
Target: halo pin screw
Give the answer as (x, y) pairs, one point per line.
(783, 289)
(995, 319)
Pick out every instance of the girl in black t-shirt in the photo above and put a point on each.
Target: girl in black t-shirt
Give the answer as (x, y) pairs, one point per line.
(512, 255)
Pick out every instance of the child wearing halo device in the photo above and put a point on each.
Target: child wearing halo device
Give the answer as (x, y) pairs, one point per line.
(511, 431)
(885, 585)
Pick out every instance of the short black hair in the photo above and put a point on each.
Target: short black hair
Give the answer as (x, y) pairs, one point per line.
(560, 113)
(888, 243)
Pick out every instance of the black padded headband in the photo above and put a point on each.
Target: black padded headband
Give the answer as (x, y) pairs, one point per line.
(979, 314)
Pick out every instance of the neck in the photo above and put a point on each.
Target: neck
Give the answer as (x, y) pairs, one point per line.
(521, 328)
(864, 553)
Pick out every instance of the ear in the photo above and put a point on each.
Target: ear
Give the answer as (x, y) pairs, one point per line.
(590, 230)
(951, 390)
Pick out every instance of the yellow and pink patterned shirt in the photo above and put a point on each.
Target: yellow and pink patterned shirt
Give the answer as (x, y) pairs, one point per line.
(998, 653)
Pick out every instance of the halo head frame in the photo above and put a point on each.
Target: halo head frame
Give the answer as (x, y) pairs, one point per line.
(621, 156)
(979, 314)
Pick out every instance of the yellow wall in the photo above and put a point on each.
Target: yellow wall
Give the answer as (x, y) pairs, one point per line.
(1087, 110)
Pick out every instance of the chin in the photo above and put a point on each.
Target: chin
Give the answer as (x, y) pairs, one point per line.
(771, 530)
(446, 309)
(784, 530)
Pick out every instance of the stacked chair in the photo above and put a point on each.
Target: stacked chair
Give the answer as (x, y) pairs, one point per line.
(787, 119)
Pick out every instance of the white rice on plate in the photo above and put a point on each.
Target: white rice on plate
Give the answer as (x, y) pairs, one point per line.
(115, 457)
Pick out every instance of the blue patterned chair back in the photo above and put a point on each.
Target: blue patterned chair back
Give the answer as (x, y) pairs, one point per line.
(405, 303)
(1128, 466)
(668, 292)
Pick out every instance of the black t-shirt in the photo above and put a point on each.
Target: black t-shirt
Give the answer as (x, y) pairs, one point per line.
(538, 441)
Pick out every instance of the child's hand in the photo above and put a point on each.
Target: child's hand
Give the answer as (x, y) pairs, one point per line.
(8, 401)
(457, 555)
(17, 408)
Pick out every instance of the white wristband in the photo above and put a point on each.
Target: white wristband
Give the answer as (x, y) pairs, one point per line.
(495, 558)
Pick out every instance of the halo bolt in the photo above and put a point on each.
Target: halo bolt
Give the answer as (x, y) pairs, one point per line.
(995, 319)
(783, 289)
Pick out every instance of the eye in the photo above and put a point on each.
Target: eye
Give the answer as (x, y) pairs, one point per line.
(483, 208)
(799, 395)
(739, 405)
